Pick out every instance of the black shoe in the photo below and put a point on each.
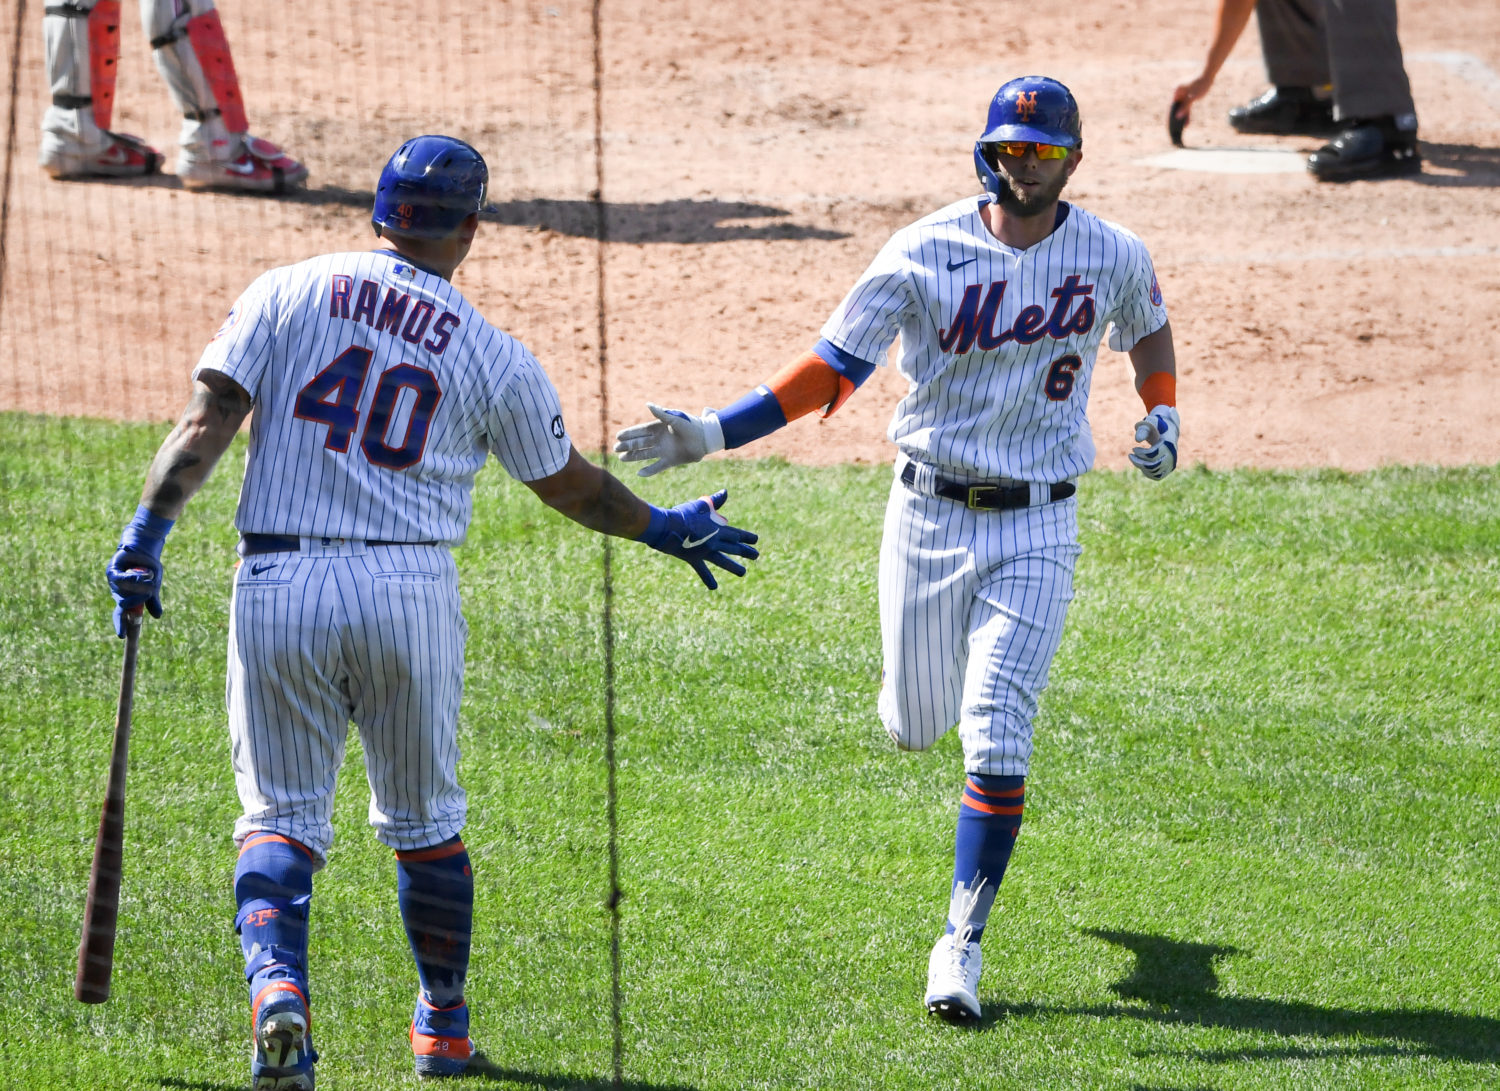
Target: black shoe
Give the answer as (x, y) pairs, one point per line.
(1367, 149)
(1283, 111)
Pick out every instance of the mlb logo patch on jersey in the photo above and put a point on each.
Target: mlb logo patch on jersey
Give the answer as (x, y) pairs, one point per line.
(229, 321)
(405, 272)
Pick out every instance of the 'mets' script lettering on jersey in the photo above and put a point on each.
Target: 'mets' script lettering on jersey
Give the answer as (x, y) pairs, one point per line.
(396, 314)
(975, 321)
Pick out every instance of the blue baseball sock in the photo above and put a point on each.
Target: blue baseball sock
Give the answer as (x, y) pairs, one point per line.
(436, 889)
(989, 820)
(273, 890)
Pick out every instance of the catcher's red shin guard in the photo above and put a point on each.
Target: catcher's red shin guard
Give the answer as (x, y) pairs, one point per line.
(206, 35)
(104, 58)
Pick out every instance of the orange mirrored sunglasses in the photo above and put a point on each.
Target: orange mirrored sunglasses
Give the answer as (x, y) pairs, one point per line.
(1017, 148)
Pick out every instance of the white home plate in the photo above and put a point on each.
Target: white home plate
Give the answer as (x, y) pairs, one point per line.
(1231, 160)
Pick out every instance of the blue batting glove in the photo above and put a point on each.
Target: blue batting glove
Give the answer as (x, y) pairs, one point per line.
(134, 573)
(698, 534)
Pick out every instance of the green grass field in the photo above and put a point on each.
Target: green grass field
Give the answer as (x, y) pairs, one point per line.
(1260, 847)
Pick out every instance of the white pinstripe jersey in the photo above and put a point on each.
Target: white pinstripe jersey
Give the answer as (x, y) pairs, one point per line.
(379, 392)
(999, 344)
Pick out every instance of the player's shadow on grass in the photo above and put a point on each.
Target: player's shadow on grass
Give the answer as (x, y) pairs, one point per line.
(481, 1068)
(1178, 985)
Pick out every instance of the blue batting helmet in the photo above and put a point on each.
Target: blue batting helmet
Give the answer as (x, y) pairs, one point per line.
(1032, 108)
(429, 187)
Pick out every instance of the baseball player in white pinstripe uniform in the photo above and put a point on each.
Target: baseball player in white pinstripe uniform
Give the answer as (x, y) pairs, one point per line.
(1000, 303)
(378, 393)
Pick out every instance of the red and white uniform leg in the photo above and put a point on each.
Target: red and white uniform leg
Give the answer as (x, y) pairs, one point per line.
(216, 149)
(83, 53)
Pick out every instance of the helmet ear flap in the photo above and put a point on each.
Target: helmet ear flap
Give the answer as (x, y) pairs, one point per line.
(986, 167)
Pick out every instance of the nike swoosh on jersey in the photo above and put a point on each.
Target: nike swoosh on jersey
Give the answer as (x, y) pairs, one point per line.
(694, 543)
(952, 265)
(257, 569)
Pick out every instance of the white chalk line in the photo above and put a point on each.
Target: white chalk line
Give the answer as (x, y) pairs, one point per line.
(1466, 67)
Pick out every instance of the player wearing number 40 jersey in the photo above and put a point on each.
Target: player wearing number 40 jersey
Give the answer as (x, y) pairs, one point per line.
(1000, 302)
(378, 393)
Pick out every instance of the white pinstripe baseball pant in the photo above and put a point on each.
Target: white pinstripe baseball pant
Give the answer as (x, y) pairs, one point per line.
(328, 635)
(972, 605)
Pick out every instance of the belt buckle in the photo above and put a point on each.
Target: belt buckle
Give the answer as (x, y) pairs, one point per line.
(975, 492)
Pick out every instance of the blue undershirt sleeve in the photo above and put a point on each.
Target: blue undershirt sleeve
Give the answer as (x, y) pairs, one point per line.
(850, 367)
(755, 415)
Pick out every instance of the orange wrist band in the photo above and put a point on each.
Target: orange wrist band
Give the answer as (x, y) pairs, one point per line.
(1159, 388)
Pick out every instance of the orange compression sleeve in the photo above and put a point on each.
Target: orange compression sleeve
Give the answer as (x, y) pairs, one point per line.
(807, 384)
(1159, 388)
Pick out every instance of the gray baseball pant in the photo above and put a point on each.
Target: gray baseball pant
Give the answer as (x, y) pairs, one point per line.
(1351, 44)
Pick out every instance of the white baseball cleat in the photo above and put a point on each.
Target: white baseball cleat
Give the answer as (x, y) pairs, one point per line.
(120, 155)
(953, 978)
(251, 165)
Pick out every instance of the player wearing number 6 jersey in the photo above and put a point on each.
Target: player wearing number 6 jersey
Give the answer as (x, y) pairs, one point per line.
(378, 393)
(1000, 302)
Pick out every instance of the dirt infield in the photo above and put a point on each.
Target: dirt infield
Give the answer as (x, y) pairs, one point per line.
(755, 158)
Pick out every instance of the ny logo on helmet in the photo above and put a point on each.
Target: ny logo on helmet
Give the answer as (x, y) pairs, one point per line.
(1025, 105)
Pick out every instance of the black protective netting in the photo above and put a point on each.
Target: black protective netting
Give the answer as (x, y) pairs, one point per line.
(111, 287)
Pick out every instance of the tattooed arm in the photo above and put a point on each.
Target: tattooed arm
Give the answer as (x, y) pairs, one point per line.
(186, 458)
(208, 425)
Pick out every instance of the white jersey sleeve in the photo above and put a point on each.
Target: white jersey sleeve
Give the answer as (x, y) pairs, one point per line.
(1141, 311)
(524, 427)
(239, 349)
(379, 392)
(871, 314)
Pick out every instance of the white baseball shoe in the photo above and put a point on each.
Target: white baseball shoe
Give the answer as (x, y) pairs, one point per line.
(119, 155)
(249, 164)
(953, 978)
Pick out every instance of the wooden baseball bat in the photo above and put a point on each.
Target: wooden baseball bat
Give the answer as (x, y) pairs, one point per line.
(96, 947)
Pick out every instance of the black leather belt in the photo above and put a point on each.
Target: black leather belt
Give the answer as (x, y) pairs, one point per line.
(982, 497)
(255, 544)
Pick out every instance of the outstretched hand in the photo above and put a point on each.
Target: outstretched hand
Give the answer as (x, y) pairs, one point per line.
(698, 534)
(674, 438)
